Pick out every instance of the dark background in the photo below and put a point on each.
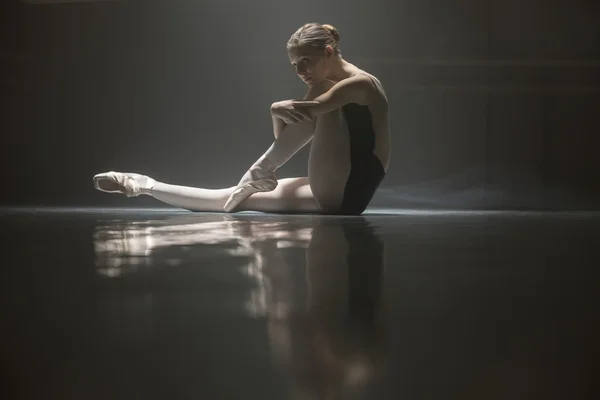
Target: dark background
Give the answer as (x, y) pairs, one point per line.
(494, 103)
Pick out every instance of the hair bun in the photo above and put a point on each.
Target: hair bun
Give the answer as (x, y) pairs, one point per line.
(332, 31)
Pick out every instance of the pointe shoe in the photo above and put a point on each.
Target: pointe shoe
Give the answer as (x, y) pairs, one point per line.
(246, 188)
(129, 184)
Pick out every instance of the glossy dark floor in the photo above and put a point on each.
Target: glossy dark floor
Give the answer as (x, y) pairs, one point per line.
(151, 304)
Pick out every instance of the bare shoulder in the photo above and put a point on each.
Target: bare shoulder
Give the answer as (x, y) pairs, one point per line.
(366, 77)
(375, 86)
(369, 83)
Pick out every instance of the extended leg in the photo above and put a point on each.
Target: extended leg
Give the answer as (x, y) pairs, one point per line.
(292, 195)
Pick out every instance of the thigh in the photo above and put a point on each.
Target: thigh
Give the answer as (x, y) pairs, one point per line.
(343, 175)
(329, 161)
(292, 195)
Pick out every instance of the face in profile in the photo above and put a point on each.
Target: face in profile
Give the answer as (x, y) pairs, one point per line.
(310, 63)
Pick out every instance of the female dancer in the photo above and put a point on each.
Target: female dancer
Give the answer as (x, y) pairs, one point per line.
(344, 113)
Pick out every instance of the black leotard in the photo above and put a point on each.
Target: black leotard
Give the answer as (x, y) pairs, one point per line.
(366, 171)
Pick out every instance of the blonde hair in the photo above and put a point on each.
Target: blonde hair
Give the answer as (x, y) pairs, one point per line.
(316, 35)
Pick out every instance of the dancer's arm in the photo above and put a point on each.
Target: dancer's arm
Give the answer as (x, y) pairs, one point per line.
(358, 89)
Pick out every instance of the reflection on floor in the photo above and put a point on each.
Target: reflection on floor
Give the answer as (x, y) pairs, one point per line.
(157, 304)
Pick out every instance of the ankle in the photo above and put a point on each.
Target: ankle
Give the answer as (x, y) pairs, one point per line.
(146, 184)
(263, 165)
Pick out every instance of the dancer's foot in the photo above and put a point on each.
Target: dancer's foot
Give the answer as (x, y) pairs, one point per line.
(258, 179)
(129, 184)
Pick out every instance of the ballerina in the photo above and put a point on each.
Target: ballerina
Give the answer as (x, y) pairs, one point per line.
(345, 115)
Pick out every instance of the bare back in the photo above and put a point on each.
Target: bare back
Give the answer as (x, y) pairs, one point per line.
(381, 122)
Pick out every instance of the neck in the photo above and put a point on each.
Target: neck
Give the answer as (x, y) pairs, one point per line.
(339, 70)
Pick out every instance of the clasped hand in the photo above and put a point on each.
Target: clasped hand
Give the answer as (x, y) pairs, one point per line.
(293, 111)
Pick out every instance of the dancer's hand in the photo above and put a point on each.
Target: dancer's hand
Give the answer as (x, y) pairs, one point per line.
(293, 111)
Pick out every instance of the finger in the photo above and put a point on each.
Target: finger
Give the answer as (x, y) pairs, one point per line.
(305, 114)
(306, 103)
(296, 116)
(292, 119)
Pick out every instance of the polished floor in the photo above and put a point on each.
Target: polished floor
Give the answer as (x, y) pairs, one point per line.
(161, 304)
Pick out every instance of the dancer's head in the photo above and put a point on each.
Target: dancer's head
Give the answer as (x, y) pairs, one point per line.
(312, 50)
